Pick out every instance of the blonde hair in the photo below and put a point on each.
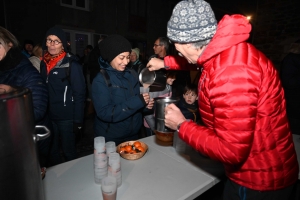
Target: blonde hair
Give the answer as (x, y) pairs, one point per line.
(37, 50)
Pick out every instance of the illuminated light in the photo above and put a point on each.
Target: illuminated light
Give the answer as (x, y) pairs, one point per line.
(248, 18)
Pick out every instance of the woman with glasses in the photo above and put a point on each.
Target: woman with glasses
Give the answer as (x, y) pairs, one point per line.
(66, 85)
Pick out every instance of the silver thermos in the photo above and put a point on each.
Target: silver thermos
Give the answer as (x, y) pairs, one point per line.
(20, 171)
(160, 104)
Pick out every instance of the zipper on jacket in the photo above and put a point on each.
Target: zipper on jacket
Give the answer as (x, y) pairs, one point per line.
(65, 94)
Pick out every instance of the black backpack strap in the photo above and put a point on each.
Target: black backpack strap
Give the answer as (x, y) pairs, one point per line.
(106, 77)
(108, 83)
(68, 72)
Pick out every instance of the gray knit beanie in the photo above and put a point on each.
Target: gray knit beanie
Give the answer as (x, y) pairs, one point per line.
(112, 46)
(137, 52)
(191, 21)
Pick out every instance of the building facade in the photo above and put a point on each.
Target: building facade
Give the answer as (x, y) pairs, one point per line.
(140, 21)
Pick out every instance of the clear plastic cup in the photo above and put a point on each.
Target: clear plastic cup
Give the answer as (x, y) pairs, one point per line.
(110, 147)
(144, 90)
(109, 188)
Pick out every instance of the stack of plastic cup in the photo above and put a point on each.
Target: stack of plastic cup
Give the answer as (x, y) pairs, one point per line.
(110, 147)
(100, 159)
(114, 167)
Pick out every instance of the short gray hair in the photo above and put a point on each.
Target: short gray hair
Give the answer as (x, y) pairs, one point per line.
(200, 44)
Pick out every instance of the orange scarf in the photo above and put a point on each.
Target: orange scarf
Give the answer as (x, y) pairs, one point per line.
(52, 61)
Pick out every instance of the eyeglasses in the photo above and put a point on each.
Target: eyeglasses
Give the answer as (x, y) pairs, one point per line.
(156, 45)
(56, 42)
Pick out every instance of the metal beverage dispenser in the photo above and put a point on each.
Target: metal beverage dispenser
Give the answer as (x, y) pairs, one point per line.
(20, 171)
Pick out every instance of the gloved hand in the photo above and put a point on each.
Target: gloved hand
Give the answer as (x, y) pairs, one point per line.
(77, 129)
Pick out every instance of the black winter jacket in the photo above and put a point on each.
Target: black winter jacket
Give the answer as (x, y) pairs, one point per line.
(17, 70)
(66, 85)
(118, 107)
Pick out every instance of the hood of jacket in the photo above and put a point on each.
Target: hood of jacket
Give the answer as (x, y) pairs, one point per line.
(231, 30)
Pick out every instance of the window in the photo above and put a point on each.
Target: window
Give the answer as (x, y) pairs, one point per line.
(77, 41)
(77, 4)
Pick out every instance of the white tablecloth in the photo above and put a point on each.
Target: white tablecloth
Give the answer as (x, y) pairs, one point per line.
(160, 174)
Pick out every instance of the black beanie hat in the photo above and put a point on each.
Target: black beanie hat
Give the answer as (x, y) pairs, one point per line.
(112, 46)
(58, 32)
(27, 41)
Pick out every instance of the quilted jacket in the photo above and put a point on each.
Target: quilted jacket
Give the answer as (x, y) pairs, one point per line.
(118, 106)
(242, 104)
(17, 70)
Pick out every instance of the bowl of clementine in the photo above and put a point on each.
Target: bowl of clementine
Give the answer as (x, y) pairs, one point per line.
(132, 150)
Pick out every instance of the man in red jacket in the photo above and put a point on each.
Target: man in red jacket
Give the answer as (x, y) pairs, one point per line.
(241, 102)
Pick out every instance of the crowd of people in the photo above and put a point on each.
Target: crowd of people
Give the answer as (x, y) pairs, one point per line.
(240, 113)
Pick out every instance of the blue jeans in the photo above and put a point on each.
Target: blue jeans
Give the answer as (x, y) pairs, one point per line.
(63, 137)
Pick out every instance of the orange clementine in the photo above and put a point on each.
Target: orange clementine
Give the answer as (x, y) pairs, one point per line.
(137, 144)
(122, 149)
(140, 148)
(132, 151)
(128, 148)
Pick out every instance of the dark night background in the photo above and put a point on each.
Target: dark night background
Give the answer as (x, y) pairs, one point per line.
(275, 23)
(245, 7)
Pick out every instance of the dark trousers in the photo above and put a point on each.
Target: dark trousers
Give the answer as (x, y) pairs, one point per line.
(64, 137)
(233, 191)
(149, 132)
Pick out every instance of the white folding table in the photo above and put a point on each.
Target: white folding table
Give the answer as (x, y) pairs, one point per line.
(161, 174)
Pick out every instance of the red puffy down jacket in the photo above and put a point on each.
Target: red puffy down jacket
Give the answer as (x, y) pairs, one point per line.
(242, 103)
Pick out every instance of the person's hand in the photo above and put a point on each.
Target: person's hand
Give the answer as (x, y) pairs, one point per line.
(155, 64)
(146, 97)
(150, 104)
(173, 116)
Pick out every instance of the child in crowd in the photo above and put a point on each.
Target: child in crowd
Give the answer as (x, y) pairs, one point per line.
(149, 120)
(188, 104)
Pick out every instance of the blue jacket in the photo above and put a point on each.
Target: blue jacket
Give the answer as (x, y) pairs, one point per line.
(119, 107)
(66, 86)
(189, 111)
(17, 70)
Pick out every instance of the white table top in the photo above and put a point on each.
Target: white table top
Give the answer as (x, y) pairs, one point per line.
(160, 174)
(296, 139)
(190, 157)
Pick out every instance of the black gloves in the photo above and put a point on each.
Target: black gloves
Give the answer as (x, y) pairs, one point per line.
(77, 129)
